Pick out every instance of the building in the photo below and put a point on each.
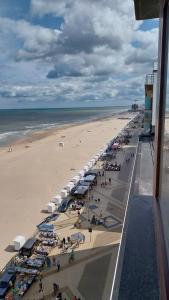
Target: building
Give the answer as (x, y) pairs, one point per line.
(142, 269)
(148, 103)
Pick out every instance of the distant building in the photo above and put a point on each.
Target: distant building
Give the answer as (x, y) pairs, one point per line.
(134, 107)
(148, 103)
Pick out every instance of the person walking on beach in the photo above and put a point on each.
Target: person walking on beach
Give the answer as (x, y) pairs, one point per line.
(58, 265)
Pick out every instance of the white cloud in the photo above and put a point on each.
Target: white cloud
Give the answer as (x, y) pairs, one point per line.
(93, 55)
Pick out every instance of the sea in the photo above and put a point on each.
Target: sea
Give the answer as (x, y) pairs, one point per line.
(16, 124)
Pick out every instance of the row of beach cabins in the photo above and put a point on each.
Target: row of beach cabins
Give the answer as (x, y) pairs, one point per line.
(32, 254)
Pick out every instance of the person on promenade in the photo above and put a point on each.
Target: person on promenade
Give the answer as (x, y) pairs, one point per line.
(98, 200)
(55, 288)
(58, 265)
(78, 213)
(64, 241)
(59, 296)
(40, 286)
(54, 260)
(72, 256)
(83, 238)
(109, 180)
(48, 262)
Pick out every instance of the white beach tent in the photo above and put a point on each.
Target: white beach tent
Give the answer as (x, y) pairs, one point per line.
(63, 193)
(18, 242)
(81, 173)
(90, 164)
(93, 161)
(86, 168)
(75, 179)
(69, 186)
(57, 199)
(51, 207)
(96, 157)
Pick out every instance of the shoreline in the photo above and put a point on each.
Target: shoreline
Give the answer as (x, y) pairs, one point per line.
(36, 174)
(36, 135)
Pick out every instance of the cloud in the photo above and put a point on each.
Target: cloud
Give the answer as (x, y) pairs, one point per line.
(92, 56)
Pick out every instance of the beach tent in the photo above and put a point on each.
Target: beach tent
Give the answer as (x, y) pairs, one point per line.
(75, 179)
(86, 168)
(81, 173)
(57, 199)
(61, 144)
(69, 186)
(50, 207)
(92, 161)
(18, 242)
(63, 193)
(96, 157)
(90, 164)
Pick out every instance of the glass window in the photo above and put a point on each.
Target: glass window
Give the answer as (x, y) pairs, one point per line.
(164, 180)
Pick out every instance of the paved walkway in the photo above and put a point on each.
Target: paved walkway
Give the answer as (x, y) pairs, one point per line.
(139, 278)
(90, 276)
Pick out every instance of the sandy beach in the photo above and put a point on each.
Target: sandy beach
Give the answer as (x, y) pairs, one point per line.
(38, 169)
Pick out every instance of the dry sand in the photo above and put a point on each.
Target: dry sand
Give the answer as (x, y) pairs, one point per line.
(30, 177)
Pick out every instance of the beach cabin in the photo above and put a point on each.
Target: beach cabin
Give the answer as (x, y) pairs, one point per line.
(18, 242)
(61, 144)
(51, 207)
(57, 199)
(86, 168)
(75, 179)
(69, 187)
(28, 247)
(81, 173)
(63, 193)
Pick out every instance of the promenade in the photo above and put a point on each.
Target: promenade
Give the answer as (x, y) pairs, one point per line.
(90, 275)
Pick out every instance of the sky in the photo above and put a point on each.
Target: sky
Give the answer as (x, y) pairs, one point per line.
(68, 53)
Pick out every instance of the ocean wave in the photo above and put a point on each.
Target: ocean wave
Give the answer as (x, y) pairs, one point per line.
(41, 126)
(5, 135)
